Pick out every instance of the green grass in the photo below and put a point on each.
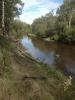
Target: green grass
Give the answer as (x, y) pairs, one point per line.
(14, 85)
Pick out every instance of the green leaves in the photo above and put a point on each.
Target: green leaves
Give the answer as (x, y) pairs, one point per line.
(43, 26)
(11, 10)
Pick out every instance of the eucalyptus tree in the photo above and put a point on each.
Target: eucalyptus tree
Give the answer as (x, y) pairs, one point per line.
(20, 28)
(0, 13)
(10, 9)
(65, 13)
(3, 14)
(70, 6)
(45, 25)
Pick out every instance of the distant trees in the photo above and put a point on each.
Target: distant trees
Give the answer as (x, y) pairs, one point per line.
(44, 26)
(60, 26)
(20, 28)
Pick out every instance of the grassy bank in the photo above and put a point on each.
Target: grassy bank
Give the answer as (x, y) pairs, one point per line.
(23, 78)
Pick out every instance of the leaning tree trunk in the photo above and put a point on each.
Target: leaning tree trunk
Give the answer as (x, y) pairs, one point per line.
(3, 25)
(70, 20)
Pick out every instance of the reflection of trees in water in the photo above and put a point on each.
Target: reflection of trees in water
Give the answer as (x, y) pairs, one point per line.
(66, 66)
(61, 49)
(43, 46)
(63, 54)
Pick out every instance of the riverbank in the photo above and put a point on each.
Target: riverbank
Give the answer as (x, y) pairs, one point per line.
(55, 38)
(23, 78)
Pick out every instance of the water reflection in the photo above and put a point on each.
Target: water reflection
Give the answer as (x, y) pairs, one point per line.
(60, 55)
(38, 50)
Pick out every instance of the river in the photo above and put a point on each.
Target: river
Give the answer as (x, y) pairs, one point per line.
(59, 56)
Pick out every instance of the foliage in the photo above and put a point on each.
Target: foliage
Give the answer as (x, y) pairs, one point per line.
(12, 8)
(65, 13)
(44, 26)
(68, 37)
(20, 28)
(58, 27)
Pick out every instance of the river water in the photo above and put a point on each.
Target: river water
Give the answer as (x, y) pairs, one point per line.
(60, 56)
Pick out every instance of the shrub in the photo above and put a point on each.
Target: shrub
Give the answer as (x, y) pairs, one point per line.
(71, 31)
(68, 36)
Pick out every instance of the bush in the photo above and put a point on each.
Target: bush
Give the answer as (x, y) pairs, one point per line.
(55, 37)
(71, 31)
(68, 36)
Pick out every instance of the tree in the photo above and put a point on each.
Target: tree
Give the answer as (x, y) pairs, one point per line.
(66, 12)
(20, 28)
(44, 26)
(65, 23)
(3, 16)
(10, 9)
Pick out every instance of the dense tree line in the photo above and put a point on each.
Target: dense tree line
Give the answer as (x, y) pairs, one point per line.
(66, 21)
(20, 28)
(44, 26)
(60, 26)
(57, 27)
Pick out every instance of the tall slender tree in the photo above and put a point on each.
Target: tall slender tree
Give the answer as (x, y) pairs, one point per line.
(66, 12)
(9, 10)
(3, 26)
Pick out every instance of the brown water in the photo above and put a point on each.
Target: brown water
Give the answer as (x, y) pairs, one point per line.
(59, 55)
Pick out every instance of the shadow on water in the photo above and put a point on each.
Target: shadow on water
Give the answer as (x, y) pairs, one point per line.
(60, 55)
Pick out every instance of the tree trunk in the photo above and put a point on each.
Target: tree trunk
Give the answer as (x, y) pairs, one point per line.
(70, 20)
(3, 25)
